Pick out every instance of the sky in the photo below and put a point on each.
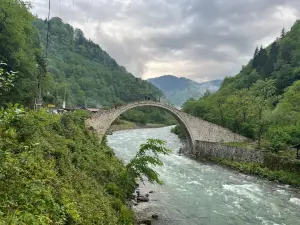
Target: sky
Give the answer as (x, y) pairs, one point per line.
(198, 39)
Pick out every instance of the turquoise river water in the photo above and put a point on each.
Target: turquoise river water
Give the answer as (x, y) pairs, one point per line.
(197, 193)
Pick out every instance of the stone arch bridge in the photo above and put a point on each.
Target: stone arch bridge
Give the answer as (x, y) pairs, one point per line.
(196, 129)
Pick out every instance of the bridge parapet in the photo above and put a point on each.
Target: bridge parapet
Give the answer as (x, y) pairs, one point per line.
(197, 129)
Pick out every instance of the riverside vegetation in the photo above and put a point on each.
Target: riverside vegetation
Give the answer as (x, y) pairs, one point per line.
(75, 64)
(262, 102)
(52, 169)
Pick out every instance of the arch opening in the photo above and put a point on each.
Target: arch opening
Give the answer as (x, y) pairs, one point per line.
(103, 120)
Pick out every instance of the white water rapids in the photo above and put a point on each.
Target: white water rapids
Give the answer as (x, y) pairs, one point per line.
(197, 193)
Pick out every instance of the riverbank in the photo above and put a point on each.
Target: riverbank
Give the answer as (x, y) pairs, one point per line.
(278, 176)
(128, 125)
(55, 163)
(274, 167)
(281, 167)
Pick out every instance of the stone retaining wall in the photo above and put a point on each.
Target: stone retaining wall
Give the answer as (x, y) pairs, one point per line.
(219, 150)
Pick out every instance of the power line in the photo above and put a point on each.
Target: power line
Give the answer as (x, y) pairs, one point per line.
(48, 28)
(59, 8)
(38, 102)
(89, 13)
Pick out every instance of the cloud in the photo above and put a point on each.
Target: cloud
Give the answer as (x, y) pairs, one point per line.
(198, 39)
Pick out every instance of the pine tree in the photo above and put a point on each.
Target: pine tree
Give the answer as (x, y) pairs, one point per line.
(254, 62)
(272, 58)
(285, 51)
(282, 33)
(262, 59)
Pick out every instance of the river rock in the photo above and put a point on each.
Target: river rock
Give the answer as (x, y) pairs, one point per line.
(142, 199)
(151, 192)
(134, 203)
(133, 196)
(147, 195)
(145, 222)
(155, 216)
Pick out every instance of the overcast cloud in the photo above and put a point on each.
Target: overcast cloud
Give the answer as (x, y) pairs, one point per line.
(198, 39)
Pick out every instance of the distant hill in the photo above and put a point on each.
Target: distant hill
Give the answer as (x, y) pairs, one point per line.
(178, 90)
(89, 73)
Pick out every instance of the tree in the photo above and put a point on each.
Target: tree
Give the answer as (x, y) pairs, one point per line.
(286, 51)
(139, 166)
(291, 99)
(206, 93)
(6, 79)
(19, 48)
(251, 79)
(272, 58)
(255, 56)
(262, 59)
(263, 93)
(282, 33)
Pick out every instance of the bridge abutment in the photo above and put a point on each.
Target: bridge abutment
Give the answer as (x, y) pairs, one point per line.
(197, 129)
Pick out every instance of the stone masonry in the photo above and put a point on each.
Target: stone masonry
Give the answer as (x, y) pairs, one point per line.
(203, 149)
(197, 129)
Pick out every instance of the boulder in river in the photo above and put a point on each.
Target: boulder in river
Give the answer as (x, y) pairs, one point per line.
(155, 216)
(151, 192)
(134, 203)
(142, 199)
(145, 222)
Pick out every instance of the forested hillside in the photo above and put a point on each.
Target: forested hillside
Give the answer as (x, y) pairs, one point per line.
(262, 101)
(74, 63)
(87, 71)
(53, 170)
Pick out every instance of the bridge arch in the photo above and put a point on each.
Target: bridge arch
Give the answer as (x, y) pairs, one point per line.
(102, 120)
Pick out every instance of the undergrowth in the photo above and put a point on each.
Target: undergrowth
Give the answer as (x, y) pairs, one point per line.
(54, 171)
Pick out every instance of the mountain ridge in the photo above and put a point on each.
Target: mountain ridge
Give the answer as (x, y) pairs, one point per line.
(180, 89)
(90, 75)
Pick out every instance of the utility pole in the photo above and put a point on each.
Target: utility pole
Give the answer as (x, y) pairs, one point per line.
(39, 100)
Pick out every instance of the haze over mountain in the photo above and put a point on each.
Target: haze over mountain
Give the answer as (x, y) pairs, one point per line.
(180, 89)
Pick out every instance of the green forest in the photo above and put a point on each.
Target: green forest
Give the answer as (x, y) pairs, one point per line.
(89, 73)
(262, 102)
(53, 170)
(74, 63)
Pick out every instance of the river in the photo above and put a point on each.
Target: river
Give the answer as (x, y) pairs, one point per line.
(197, 193)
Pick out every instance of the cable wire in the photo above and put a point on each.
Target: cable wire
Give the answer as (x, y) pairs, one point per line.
(48, 28)
(89, 13)
(59, 8)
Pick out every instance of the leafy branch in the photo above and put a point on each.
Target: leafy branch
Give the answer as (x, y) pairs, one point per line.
(141, 164)
(6, 79)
